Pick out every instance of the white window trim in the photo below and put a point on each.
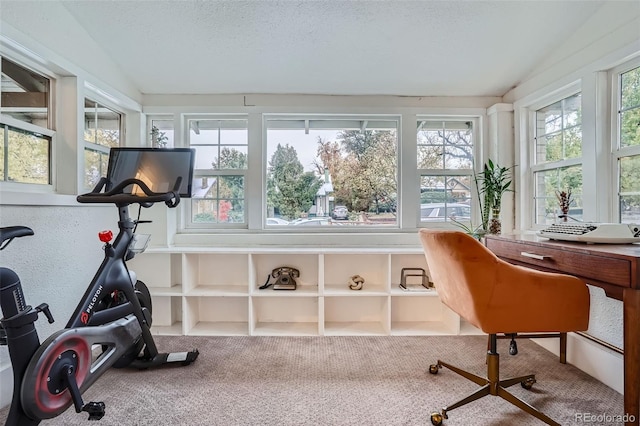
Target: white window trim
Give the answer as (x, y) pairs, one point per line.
(616, 151)
(258, 233)
(187, 223)
(476, 135)
(33, 64)
(525, 111)
(329, 119)
(86, 145)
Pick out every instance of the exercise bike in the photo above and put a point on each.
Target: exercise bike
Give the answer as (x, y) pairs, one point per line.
(110, 326)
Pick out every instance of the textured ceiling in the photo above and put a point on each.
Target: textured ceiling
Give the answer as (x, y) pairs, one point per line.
(390, 47)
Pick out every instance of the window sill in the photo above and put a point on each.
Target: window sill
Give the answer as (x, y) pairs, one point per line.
(20, 198)
(316, 240)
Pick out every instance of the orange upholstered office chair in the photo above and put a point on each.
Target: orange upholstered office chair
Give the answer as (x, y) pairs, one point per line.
(498, 297)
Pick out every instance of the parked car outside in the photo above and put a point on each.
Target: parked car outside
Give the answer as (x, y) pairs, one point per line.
(313, 221)
(340, 213)
(439, 212)
(276, 221)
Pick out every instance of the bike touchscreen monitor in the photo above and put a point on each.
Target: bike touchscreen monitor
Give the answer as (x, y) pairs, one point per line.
(158, 168)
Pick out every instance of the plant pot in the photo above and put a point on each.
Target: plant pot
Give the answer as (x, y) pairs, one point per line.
(495, 226)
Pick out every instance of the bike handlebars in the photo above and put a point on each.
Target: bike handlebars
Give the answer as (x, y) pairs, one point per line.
(117, 195)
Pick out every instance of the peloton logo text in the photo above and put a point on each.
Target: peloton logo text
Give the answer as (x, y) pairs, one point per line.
(84, 317)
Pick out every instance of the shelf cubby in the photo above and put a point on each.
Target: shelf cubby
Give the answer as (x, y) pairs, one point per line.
(161, 272)
(424, 315)
(398, 262)
(166, 315)
(219, 274)
(348, 316)
(220, 316)
(339, 268)
(285, 316)
(263, 265)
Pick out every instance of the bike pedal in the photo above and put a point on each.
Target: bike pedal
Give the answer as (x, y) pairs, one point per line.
(191, 356)
(96, 410)
(184, 358)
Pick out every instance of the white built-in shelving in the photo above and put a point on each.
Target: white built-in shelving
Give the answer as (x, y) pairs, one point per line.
(215, 291)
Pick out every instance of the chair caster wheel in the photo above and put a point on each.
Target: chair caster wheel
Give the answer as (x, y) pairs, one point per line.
(433, 369)
(513, 348)
(436, 419)
(527, 384)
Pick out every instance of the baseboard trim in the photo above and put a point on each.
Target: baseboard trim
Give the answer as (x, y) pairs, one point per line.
(596, 360)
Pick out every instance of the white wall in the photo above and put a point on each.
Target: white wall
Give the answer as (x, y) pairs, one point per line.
(56, 264)
(592, 48)
(47, 29)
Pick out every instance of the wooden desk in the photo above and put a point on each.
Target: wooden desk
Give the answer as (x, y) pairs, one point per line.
(614, 268)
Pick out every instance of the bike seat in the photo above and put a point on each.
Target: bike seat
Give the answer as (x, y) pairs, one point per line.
(9, 232)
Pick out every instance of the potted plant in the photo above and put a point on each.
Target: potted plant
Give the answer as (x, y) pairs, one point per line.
(158, 139)
(492, 183)
(564, 200)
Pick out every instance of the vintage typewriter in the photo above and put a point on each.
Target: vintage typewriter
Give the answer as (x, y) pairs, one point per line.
(606, 233)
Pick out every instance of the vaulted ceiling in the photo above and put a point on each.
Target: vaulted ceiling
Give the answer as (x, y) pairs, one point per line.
(357, 47)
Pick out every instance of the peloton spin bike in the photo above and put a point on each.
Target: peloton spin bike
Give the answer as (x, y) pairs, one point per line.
(110, 327)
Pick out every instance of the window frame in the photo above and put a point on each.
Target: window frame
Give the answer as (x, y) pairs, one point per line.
(477, 162)
(307, 120)
(255, 178)
(617, 151)
(150, 119)
(188, 223)
(48, 132)
(528, 202)
(91, 146)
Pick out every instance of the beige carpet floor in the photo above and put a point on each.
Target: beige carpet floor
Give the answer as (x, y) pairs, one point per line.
(338, 381)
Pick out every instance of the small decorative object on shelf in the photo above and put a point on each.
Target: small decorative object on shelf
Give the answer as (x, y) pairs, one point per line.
(356, 282)
(158, 139)
(424, 285)
(285, 278)
(565, 200)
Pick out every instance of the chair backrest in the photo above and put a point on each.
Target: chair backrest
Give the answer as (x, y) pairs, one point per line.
(462, 269)
(498, 297)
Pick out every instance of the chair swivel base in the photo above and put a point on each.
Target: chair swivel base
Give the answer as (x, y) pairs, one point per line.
(491, 385)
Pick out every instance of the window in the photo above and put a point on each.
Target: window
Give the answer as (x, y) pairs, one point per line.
(317, 164)
(445, 166)
(557, 158)
(161, 132)
(27, 132)
(102, 131)
(220, 170)
(628, 141)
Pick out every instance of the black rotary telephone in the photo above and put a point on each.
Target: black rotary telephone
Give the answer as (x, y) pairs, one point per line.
(284, 278)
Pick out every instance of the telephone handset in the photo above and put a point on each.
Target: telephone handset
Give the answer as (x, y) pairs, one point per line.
(284, 278)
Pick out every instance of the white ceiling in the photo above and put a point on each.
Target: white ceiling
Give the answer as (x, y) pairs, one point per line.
(366, 47)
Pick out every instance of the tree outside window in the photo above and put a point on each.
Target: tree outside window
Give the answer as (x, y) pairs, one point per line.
(220, 166)
(445, 165)
(316, 164)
